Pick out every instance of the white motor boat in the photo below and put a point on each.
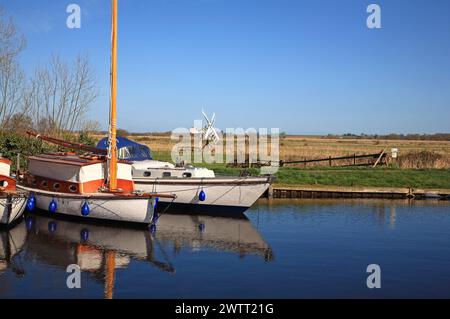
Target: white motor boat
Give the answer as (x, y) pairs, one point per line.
(197, 189)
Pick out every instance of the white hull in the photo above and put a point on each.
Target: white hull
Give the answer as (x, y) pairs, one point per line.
(232, 193)
(11, 208)
(102, 206)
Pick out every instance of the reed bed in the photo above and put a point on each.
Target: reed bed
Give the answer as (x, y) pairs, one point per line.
(412, 153)
(424, 159)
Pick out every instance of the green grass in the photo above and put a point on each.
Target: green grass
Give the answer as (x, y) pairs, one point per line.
(347, 177)
(162, 156)
(367, 177)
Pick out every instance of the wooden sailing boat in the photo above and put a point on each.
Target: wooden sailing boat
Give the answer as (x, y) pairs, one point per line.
(91, 186)
(12, 203)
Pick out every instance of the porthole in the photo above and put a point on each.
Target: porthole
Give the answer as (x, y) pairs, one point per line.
(73, 188)
(166, 174)
(34, 182)
(44, 184)
(56, 186)
(187, 175)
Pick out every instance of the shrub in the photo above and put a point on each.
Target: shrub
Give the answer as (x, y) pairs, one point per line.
(12, 144)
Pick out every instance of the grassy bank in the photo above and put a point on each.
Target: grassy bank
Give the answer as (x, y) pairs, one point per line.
(348, 177)
(367, 177)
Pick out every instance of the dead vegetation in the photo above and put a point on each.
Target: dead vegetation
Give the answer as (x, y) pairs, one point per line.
(424, 159)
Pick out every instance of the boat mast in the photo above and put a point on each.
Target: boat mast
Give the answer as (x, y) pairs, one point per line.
(110, 274)
(113, 113)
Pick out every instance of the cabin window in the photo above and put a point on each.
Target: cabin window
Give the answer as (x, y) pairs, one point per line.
(147, 174)
(187, 175)
(56, 186)
(34, 182)
(167, 174)
(44, 184)
(135, 153)
(73, 188)
(124, 153)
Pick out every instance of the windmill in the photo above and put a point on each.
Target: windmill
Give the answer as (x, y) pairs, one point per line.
(206, 131)
(209, 132)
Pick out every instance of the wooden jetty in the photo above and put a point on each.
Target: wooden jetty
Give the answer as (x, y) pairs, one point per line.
(354, 192)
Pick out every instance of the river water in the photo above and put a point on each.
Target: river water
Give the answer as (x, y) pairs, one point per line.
(277, 249)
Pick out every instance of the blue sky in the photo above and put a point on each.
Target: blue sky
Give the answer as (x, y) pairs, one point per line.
(306, 67)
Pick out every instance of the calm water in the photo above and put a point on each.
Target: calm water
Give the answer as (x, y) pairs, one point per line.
(281, 249)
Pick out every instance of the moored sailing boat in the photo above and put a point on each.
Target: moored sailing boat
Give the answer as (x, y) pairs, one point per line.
(73, 185)
(12, 203)
(91, 186)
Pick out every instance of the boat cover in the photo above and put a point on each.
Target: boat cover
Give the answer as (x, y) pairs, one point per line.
(128, 150)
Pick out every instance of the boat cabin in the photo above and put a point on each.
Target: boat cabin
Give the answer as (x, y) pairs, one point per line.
(72, 174)
(6, 182)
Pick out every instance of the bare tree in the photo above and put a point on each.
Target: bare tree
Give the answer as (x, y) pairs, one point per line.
(12, 79)
(11, 41)
(90, 127)
(56, 97)
(60, 95)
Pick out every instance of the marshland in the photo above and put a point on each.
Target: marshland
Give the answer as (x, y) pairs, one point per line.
(423, 161)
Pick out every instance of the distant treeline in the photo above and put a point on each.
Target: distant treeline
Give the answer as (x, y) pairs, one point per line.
(415, 137)
(412, 137)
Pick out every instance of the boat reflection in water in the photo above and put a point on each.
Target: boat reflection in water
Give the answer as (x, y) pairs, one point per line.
(235, 234)
(12, 242)
(100, 250)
